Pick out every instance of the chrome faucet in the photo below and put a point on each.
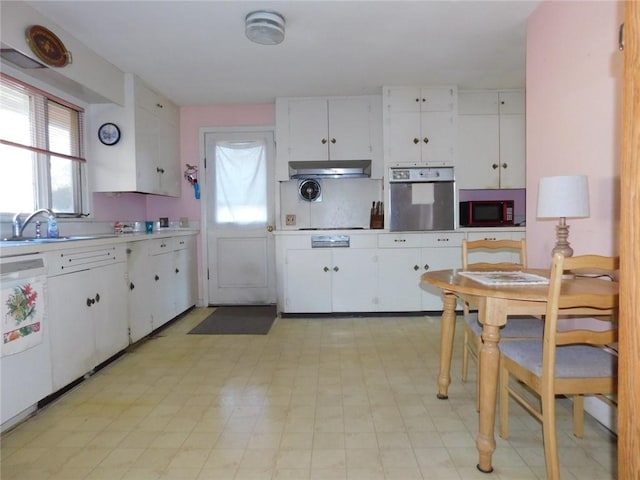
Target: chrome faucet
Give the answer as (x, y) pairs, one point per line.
(18, 227)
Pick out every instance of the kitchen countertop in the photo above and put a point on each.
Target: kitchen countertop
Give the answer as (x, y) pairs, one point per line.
(369, 231)
(99, 239)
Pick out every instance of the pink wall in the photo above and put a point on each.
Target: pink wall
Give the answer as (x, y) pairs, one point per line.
(574, 110)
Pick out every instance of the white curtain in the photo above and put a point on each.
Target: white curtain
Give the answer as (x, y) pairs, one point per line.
(241, 183)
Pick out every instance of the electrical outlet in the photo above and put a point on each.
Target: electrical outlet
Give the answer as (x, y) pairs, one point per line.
(290, 219)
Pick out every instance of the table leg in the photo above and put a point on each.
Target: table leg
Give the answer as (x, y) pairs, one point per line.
(489, 359)
(447, 334)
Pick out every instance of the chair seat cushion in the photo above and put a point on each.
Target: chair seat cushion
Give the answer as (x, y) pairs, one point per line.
(517, 327)
(572, 361)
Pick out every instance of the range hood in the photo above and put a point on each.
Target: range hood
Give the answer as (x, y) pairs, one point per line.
(330, 169)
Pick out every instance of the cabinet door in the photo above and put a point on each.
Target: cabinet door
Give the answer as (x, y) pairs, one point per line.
(72, 329)
(139, 286)
(308, 129)
(399, 279)
(110, 311)
(169, 160)
(512, 151)
(350, 128)
(478, 151)
(438, 99)
(185, 280)
(437, 138)
(354, 280)
(478, 140)
(403, 142)
(402, 99)
(147, 151)
(308, 281)
(162, 296)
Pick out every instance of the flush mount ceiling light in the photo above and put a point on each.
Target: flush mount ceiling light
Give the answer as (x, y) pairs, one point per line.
(265, 28)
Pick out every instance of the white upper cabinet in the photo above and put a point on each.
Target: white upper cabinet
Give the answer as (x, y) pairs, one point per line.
(491, 140)
(320, 128)
(420, 126)
(147, 158)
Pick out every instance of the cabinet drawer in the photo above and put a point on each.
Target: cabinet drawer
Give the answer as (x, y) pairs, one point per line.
(400, 240)
(76, 259)
(443, 239)
(159, 246)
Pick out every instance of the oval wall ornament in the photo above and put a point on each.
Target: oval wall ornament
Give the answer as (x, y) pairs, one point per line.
(47, 46)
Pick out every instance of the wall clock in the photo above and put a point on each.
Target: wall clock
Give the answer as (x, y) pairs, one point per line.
(109, 133)
(47, 46)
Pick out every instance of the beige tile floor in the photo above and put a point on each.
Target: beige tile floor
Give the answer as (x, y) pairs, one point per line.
(350, 398)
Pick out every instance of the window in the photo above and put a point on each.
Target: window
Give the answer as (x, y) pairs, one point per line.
(41, 155)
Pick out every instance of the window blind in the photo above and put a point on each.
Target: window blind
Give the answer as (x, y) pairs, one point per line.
(33, 120)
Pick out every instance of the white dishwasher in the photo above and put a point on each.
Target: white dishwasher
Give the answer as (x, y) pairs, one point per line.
(25, 352)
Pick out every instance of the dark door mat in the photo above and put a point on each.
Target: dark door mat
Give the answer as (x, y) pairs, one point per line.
(238, 320)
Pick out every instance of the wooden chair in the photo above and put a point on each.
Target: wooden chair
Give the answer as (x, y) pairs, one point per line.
(569, 361)
(518, 328)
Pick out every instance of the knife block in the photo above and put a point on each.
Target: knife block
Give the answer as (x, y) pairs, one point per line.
(376, 221)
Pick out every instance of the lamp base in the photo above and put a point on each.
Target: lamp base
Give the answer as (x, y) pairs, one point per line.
(562, 244)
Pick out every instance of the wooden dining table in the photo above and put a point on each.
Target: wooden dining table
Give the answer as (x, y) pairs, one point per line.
(495, 303)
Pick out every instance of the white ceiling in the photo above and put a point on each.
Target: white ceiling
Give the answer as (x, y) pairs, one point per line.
(196, 53)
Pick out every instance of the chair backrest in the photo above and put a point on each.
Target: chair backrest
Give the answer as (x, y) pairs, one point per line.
(597, 303)
(494, 247)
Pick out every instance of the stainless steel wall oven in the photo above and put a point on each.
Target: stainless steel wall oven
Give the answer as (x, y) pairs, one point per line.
(421, 198)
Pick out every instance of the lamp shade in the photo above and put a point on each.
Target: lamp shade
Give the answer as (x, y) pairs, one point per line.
(563, 196)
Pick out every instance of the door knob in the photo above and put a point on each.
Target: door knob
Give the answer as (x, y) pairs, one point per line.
(504, 165)
(323, 141)
(326, 269)
(131, 286)
(333, 140)
(416, 141)
(426, 266)
(97, 297)
(335, 269)
(494, 166)
(157, 278)
(270, 228)
(416, 268)
(425, 139)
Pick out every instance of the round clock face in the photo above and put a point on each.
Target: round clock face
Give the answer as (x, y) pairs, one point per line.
(109, 134)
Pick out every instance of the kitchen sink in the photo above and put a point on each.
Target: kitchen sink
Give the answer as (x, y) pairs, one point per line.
(14, 242)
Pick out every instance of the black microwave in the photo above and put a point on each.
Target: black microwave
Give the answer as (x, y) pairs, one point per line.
(486, 213)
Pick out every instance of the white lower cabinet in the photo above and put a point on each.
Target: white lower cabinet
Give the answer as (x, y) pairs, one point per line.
(162, 282)
(376, 273)
(87, 314)
(404, 257)
(325, 280)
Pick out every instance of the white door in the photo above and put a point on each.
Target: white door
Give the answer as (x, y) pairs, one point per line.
(240, 217)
